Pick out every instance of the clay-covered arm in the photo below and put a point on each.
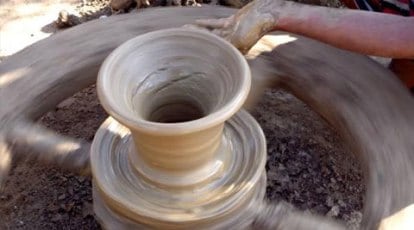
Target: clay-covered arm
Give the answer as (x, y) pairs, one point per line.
(359, 31)
(355, 30)
(248, 25)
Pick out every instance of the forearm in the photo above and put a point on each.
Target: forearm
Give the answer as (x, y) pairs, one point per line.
(359, 31)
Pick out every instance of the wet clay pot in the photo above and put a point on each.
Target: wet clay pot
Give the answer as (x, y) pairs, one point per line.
(177, 151)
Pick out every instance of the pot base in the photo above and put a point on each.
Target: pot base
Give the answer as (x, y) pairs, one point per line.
(125, 198)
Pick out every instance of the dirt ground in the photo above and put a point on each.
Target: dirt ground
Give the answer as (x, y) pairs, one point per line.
(307, 166)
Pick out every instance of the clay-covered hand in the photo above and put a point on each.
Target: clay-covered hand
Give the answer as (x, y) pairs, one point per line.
(248, 25)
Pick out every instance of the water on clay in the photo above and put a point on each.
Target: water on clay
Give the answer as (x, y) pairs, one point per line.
(182, 89)
(172, 95)
(177, 93)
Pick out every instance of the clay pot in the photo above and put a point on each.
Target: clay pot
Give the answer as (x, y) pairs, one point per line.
(174, 89)
(177, 155)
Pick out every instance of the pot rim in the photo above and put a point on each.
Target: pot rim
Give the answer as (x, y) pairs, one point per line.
(150, 127)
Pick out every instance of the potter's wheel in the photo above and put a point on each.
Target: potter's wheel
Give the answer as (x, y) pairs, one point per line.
(237, 184)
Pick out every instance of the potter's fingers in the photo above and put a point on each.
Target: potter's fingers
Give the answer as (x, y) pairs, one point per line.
(215, 23)
(5, 161)
(33, 141)
(222, 33)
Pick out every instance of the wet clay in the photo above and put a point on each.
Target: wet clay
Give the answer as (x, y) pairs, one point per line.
(164, 73)
(204, 173)
(362, 100)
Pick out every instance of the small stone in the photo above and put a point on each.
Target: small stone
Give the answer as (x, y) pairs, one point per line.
(120, 4)
(304, 155)
(341, 203)
(70, 190)
(56, 218)
(37, 206)
(52, 208)
(67, 207)
(329, 201)
(87, 209)
(81, 179)
(319, 190)
(66, 103)
(49, 115)
(65, 19)
(62, 197)
(333, 212)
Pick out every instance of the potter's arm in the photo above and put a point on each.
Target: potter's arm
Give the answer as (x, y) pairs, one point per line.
(359, 31)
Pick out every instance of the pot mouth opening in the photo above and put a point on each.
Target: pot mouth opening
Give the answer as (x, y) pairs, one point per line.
(176, 112)
(173, 81)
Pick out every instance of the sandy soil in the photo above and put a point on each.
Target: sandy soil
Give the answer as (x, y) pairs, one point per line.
(23, 22)
(308, 165)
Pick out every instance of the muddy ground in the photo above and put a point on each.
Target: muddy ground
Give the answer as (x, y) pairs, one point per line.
(308, 166)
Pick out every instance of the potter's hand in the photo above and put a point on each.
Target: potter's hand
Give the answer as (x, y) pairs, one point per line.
(248, 25)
